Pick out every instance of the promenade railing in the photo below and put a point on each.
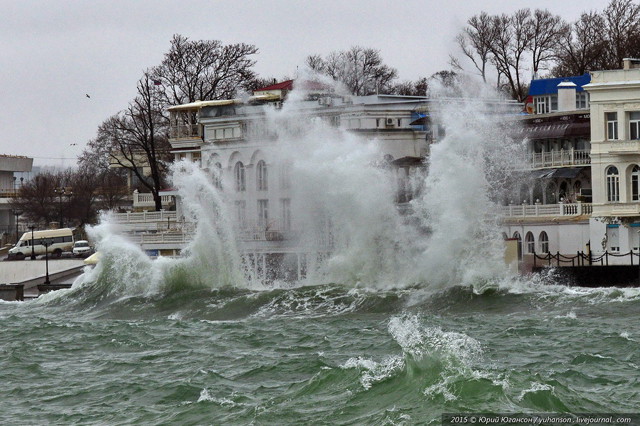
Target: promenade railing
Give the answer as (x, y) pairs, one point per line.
(585, 259)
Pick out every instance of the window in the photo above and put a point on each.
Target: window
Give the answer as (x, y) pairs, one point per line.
(543, 240)
(261, 176)
(263, 213)
(530, 242)
(196, 157)
(635, 179)
(285, 207)
(634, 125)
(217, 175)
(241, 213)
(613, 184)
(582, 100)
(545, 104)
(239, 173)
(285, 175)
(612, 125)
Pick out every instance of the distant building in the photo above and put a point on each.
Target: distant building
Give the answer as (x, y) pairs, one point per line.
(10, 166)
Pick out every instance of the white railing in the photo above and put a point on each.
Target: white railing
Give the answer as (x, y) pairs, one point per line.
(161, 238)
(146, 200)
(571, 157)
(136, 217)
(560, 209)
(260, 234)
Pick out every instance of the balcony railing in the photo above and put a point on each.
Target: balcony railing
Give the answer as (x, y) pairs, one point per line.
(161, 216)
(537, 210)
(185, 131)
(161, 238)
(260, 234)
(141, 200)
(571, 157)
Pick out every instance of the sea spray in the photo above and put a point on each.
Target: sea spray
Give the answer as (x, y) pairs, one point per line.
(468, 174)
(343, 206)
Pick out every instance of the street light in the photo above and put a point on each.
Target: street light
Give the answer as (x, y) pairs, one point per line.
(33, 253)
(62, 191)
(17, 214)
(46, 243)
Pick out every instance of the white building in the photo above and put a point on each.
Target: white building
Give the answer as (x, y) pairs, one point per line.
(9, 186)
(231, 140)
(549, 211)
(615, 153)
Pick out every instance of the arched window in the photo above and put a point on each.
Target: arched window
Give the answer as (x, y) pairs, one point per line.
(550, 194)
(613, 184)
(261, 176)
(563, 191)
(530, 242)
(217, 175)
(239, 174)
(635, 180)
(543, 242)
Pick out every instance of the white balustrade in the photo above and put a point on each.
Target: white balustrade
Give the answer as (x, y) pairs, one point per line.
(536, 210)
(133, 217)
(146, 200)
(571, 157)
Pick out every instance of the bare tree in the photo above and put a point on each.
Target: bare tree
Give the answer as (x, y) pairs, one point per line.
(36, 198)
(475, 42)
(511, 42)
(547, 31)
(137, 139)
(203, 70)
(580, 49)
(410, 88)
(622, 19)
(360, 69)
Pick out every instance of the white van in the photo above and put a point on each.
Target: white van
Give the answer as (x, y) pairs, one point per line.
(59, 240)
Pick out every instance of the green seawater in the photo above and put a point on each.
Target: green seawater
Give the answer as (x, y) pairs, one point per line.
(326, 354)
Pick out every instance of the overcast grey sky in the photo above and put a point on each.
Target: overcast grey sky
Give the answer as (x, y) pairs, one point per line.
(55, 52)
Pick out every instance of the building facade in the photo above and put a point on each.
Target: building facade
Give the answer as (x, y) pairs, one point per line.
(551, 205)
(615, 152)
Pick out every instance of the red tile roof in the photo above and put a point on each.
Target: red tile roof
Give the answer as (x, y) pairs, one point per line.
(285, 85)
(288, 85)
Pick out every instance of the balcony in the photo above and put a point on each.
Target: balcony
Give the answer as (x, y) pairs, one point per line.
(185, 131)
(145, 200)
(562, 158)
(546, 210)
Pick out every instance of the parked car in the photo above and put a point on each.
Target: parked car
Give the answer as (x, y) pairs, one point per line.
(81, 248)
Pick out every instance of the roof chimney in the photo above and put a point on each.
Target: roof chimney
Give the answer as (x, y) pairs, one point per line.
(566, 96)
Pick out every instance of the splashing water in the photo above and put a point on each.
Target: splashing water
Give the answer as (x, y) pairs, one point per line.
(344, 205)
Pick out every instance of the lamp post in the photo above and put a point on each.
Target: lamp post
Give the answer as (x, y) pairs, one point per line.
(17, 214)
(62, 191)
(33, 253)
(46, 243)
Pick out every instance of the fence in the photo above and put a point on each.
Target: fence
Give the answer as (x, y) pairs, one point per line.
(561, 260)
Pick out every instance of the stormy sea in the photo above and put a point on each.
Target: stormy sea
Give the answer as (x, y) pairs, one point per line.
(407, 317)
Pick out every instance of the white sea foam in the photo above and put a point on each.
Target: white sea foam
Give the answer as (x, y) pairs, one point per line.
(535, 387)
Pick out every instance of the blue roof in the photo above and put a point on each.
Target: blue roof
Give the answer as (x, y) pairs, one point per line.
(549, 86)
